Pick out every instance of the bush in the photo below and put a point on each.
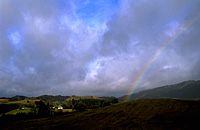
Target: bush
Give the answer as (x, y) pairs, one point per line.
(8, 107)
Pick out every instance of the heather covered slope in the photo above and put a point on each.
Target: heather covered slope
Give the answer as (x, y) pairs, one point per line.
(188, 90)
(137, 114)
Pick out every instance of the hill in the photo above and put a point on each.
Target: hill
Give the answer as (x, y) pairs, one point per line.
(107, 99)
(17, 98)
(188, 90)
(82, 97)
(52, 98)
(137, 114)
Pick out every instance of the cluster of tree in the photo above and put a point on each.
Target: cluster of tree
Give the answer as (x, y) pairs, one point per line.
(83, 104)
(110, 99)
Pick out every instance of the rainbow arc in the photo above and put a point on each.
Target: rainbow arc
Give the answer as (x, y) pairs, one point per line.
(157, 54)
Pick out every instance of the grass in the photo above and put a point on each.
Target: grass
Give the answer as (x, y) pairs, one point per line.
(27, 110)
(70, 110)
(65, 110)
(137, 114)
(14, 112)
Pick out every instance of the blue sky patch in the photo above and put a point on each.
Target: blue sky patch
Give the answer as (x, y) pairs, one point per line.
(95, 12)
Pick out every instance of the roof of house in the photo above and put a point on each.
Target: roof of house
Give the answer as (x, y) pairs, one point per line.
(59, 106)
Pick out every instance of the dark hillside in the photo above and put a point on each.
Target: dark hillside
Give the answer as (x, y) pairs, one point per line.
(53, 98)
(188, 90)
(17, 98)
(137, 114)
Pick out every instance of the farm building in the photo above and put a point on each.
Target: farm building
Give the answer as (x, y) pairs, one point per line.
(60, 107)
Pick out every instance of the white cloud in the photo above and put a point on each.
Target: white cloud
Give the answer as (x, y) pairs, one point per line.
(15, 38)
(167, 67)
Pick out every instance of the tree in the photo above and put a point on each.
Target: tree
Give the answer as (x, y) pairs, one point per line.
(81, 106)
(43, 109)
(7, 107)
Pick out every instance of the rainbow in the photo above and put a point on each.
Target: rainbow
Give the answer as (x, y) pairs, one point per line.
(157, 53)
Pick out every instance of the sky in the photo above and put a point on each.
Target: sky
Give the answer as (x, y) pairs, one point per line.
(96, 47)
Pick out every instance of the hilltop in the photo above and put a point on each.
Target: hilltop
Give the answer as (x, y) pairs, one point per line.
(53, 98)
(137, 114)
(82, 97)
(188, 90)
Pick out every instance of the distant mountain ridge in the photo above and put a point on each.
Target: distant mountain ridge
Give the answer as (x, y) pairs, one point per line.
(188, 90)
(18, 98)
(53, 98)
(58, 98)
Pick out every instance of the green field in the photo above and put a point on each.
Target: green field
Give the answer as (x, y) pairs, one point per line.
(65, 110)
(14, 112)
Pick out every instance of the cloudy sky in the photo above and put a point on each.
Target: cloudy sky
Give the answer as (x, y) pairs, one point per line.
(96, 47)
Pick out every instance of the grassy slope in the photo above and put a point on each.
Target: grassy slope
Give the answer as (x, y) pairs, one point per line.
(14, 112)
(138, 114)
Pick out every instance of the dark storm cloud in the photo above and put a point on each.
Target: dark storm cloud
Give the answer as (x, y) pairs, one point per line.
(49, 47)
